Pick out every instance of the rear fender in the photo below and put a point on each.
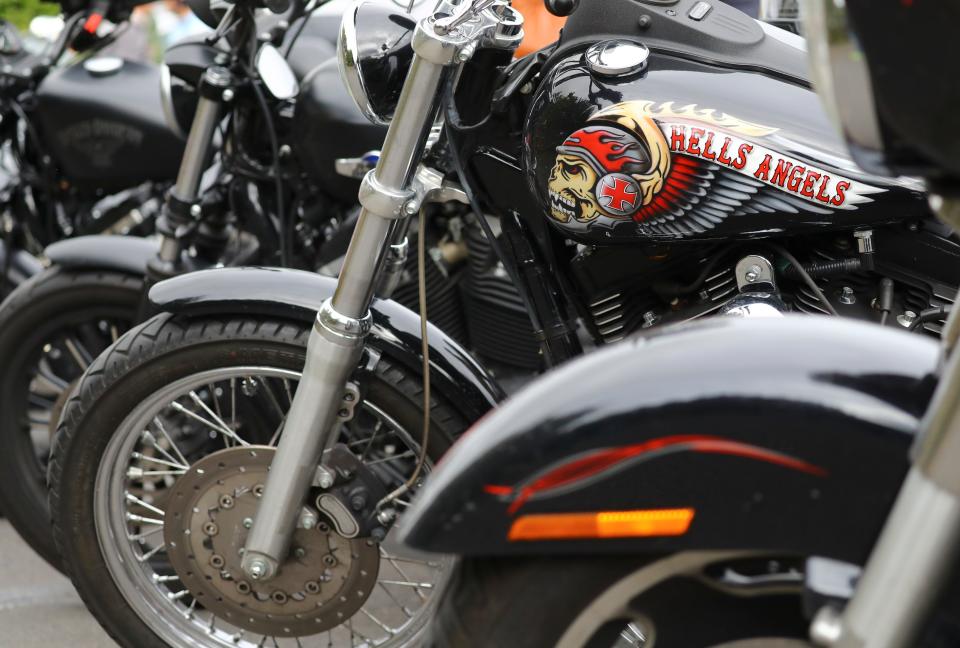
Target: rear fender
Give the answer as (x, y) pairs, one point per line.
(788, 435)
(298, 295)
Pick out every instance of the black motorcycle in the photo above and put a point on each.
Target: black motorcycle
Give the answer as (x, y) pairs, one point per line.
(620, 198)
(85, 145)
(262, 194)
(734, 482)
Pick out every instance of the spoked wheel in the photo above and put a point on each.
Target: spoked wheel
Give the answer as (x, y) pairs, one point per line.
(158, 469)
(687, 600)
(51, 328)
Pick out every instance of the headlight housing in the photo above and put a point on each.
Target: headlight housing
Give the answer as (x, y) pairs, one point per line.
(842, 78)
(374, 55)
(883, 68)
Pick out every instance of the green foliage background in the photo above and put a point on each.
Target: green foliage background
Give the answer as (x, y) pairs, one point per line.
(19, 12)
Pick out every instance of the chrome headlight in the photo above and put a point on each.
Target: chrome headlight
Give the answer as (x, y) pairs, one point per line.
(374, 55)
(841, 75)
(883, 70)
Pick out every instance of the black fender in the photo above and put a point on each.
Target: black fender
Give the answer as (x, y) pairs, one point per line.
(296, 294)
(128, 254)
(789, 435)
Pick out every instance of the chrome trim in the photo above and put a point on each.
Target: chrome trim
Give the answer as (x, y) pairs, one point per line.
(348, 61)
(786, 37)
(102, 66)
(617, 57)
(166, 101)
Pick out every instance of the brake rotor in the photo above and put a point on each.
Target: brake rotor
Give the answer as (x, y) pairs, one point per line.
(324, 580)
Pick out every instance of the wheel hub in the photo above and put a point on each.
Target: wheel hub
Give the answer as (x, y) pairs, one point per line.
(323, 581)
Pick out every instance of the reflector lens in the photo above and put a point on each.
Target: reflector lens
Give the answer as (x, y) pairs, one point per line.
(645, 523)
(92, 23)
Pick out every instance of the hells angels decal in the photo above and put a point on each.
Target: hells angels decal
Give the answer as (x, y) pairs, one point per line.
(676, 171)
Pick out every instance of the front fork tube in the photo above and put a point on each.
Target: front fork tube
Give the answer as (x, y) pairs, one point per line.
(918, 546)
(196, 152)
(336, 341)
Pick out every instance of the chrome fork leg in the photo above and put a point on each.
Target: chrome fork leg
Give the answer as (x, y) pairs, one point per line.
(919, 542)
(336, 340)
(215, 80)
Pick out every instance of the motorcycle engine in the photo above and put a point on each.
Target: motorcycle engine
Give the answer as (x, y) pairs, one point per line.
(470, 296)
(631, 290)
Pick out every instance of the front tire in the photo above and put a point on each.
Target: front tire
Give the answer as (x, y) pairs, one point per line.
(51, 328)
(613, 601)
(169, 350)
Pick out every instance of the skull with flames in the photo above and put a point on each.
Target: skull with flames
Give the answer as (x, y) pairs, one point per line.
(604, 170)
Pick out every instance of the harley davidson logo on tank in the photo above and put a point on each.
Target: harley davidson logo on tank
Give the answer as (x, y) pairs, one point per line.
(635, 161)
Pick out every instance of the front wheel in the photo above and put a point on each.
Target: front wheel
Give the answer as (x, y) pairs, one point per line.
(685, 600)
(160, 458)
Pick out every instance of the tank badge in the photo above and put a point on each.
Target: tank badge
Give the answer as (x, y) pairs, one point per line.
(646, 163)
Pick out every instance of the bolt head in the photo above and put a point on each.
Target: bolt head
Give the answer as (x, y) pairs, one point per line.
(411, 207)
(386, 516)
(228, 95)
(309, 522)
(247, 523)
(196, 210)
(257, 569)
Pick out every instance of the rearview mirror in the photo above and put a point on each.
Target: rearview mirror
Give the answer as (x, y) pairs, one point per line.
(276, 73)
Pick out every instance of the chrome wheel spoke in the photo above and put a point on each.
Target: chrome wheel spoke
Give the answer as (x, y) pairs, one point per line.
(139, 502)
(173, 446)
(78, 352)
(153, 552)
(220, 429)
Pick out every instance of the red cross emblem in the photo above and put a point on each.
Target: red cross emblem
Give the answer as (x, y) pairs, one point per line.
(618, 194)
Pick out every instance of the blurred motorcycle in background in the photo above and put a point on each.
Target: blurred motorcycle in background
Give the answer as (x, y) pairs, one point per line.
(256, 185)
(84, 147)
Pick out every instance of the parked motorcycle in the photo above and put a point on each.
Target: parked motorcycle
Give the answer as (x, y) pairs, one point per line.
(73, 139)
(266, 198)
(762, 482)
(621, 200)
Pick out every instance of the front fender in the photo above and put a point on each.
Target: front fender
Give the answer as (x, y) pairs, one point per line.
(128, 254)
(788, 435)
(298, 295)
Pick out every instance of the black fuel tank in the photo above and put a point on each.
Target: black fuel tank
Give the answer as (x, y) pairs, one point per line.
(329, 126)
(106, 128)
(697, 141)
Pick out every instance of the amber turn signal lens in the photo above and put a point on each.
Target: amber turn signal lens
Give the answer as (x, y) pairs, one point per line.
(645, 523)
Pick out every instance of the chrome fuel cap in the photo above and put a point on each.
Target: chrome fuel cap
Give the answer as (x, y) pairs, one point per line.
(102, 66)
(617, 57)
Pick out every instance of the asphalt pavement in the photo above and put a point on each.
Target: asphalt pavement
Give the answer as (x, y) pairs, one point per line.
(38, 606)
